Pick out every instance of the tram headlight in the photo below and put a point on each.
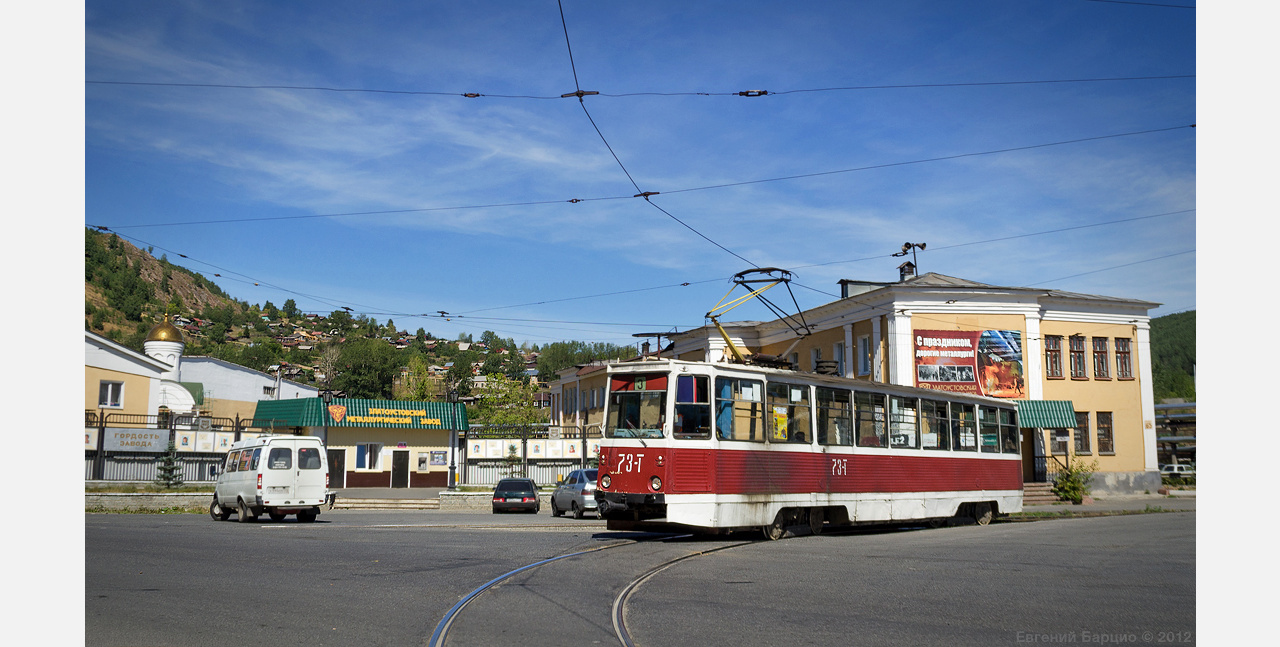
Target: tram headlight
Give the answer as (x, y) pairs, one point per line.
(605, 481)
(655, 483)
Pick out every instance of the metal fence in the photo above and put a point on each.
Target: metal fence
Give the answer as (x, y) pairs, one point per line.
(145, 466)
(196, 467)
(488, 470)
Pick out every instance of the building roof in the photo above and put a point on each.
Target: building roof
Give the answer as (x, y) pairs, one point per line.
(358, 412)
(166, 331)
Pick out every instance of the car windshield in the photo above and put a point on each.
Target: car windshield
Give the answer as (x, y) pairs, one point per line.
(514, 487)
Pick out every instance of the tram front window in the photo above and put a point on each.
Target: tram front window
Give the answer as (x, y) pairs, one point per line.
(636, 414)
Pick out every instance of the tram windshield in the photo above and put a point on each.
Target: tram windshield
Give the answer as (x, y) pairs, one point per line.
(637, 406)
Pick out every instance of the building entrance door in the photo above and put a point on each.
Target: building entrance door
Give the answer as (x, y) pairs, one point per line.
(400, 469)
(337, 467)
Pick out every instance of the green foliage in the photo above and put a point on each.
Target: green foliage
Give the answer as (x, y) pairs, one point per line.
(1073, 483)
(291, 310)
(169, 473)
(366, 368)
(342, 321)
(509, 402)
(1173, 356)
(563, 354)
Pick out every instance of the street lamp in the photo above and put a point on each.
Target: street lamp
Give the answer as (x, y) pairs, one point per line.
(326, 396)
(453, 443)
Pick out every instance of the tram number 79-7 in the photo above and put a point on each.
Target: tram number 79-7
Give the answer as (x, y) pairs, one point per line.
(839, 467)
(629, 462)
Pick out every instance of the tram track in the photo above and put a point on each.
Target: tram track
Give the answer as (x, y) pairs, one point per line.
(618, 609)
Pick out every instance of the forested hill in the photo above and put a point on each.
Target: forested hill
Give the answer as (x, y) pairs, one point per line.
(1173, 356)
(126, 289)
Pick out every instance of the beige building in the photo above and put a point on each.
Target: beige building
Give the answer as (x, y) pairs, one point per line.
(951, 334)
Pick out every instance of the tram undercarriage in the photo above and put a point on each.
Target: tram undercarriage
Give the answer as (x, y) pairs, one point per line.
(648, 513)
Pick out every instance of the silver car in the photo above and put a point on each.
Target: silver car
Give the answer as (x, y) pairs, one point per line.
(575, 494)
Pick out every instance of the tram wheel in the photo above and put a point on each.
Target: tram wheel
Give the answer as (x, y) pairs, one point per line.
(983, 514)
(816, 518)
(775, 530)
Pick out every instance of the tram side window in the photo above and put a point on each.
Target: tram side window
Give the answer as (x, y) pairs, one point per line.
(835, 417)
(1009, 431)
(988, 429)
(789, 419)
(964, 429)
(740, 409)
(693, 407)
(872, 430)
(935, 429)
(902, 422)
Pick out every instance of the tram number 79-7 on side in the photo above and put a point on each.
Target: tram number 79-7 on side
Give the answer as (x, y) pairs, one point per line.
(629, 463)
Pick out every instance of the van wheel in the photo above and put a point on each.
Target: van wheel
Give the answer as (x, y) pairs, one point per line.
(306, 516)
(218, 512)
(242, 512)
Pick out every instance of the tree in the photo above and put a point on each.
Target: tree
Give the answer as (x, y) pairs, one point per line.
(508, 402)
(291, 310)
(169, 472)
(342, 321)
(366, 369)
(271, 311)
(418, 384)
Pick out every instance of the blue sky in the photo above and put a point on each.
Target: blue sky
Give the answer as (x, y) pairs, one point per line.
(234, 178)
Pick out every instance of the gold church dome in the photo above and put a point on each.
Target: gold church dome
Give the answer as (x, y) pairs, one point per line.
(166, 331)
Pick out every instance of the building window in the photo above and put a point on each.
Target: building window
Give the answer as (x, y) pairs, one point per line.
(1058, 441)
(268, 390)
(864, 355)
(1053, 356)
(1101, 359)
(1124, 360)
(839, 354)
(815, 356)
(1078, 369)
(1106, 440)
(367, 455)
(1082, 433)
(110, 395)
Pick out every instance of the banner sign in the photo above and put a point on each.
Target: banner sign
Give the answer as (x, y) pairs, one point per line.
(136, 440)
(987, 362)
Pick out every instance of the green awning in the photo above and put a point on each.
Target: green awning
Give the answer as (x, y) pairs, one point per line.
(1046, 414)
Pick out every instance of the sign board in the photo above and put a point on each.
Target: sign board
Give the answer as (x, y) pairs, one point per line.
(136, 440)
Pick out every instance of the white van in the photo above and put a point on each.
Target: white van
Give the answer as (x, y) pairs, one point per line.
(278, 475)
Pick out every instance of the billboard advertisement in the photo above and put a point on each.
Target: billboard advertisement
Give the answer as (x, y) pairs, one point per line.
(986, 362)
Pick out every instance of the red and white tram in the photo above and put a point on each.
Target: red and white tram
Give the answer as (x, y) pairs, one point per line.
(719, 447)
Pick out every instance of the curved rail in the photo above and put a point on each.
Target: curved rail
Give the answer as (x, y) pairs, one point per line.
(619, 604)
(442, 629)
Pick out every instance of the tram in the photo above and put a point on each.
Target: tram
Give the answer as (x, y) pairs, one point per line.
(717, 447)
